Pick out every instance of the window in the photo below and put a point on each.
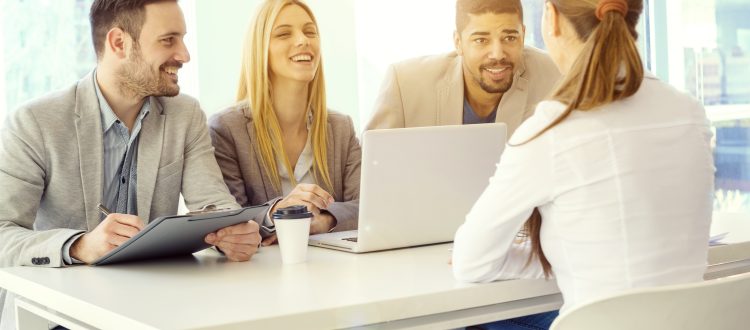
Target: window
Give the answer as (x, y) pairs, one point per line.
(703, 47)
(47, 46)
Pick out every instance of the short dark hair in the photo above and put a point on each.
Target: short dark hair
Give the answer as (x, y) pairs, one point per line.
(464, 8)
(128, 15)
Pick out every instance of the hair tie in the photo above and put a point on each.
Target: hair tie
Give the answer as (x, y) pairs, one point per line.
(606, 6)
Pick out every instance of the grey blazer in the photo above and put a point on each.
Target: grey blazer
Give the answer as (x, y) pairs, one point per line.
(429, 91)
(232, 133)
(51, 168)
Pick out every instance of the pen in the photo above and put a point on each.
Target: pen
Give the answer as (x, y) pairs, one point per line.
(104, 210)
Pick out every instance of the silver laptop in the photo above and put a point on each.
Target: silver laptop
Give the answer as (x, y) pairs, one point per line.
(418, 184)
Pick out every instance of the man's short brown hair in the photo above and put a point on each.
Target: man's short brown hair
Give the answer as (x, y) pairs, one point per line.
(464, 8)
(128, 15)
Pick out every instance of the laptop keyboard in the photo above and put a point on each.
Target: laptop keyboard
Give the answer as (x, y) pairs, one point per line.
(350, 239)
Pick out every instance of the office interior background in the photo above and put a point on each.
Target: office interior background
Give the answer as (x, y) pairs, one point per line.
(699, 46)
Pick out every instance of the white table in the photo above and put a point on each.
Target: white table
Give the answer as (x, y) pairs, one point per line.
(334, 289)
(407, 288)
(734, 256)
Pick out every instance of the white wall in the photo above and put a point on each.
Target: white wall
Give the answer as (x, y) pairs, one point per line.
(189, 80)
(219, 30)
(2, 77)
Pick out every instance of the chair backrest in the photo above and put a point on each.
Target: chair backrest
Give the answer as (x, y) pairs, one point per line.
(722, 303)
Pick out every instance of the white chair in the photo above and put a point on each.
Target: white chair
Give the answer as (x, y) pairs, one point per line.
(722, 303)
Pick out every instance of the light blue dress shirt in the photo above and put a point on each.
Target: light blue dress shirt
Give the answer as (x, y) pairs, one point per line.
(117, 142)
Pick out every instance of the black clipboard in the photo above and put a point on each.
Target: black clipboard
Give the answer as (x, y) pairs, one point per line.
(177, 235)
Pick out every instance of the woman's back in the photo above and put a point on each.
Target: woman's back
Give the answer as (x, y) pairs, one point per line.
(630, 192)
(619, 167)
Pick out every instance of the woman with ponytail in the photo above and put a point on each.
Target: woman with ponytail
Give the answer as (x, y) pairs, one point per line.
(279, 143)
(609, 183)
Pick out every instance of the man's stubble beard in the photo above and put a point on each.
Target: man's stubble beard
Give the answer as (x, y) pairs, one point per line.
(136, 78)
(492, 89)
(504, 86)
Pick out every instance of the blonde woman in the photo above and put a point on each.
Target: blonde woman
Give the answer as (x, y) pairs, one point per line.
(279, 142)
(615, 172)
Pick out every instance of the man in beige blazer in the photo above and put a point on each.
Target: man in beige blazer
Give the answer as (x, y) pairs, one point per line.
(55, 152)
(491, 76)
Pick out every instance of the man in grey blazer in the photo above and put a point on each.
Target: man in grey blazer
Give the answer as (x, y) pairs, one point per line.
(491, 76)
(122, 136)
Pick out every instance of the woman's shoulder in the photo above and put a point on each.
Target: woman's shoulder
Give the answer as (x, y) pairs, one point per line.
(238, 113)
(546, 112)
(334, 115)
(338, 120)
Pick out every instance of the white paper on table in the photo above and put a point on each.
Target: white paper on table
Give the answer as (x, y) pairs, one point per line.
(716, 239)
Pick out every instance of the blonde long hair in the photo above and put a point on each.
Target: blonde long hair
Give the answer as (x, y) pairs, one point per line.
(255, 89)
(608, 69)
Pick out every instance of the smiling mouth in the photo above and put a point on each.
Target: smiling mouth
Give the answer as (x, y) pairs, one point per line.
(302, 58)
(496, 70)
(171, 71)
(497, 73)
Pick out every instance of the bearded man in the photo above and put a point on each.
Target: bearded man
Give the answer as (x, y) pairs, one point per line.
(122, 137)
(490, 77)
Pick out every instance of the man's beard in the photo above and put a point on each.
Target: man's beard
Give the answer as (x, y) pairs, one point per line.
(504, 85)
(137, 78)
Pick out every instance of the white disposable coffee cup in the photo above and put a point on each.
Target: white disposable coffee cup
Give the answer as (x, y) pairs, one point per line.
(293, 230)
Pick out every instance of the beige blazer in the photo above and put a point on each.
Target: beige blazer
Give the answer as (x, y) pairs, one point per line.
(429, 91)
(232, 133)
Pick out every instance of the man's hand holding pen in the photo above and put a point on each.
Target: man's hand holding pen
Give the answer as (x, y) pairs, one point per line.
(114, 230)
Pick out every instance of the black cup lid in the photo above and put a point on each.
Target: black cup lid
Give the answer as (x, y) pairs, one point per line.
(292, 212)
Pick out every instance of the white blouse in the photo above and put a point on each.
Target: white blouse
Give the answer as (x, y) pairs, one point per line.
(302, 169)
(625, 193)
